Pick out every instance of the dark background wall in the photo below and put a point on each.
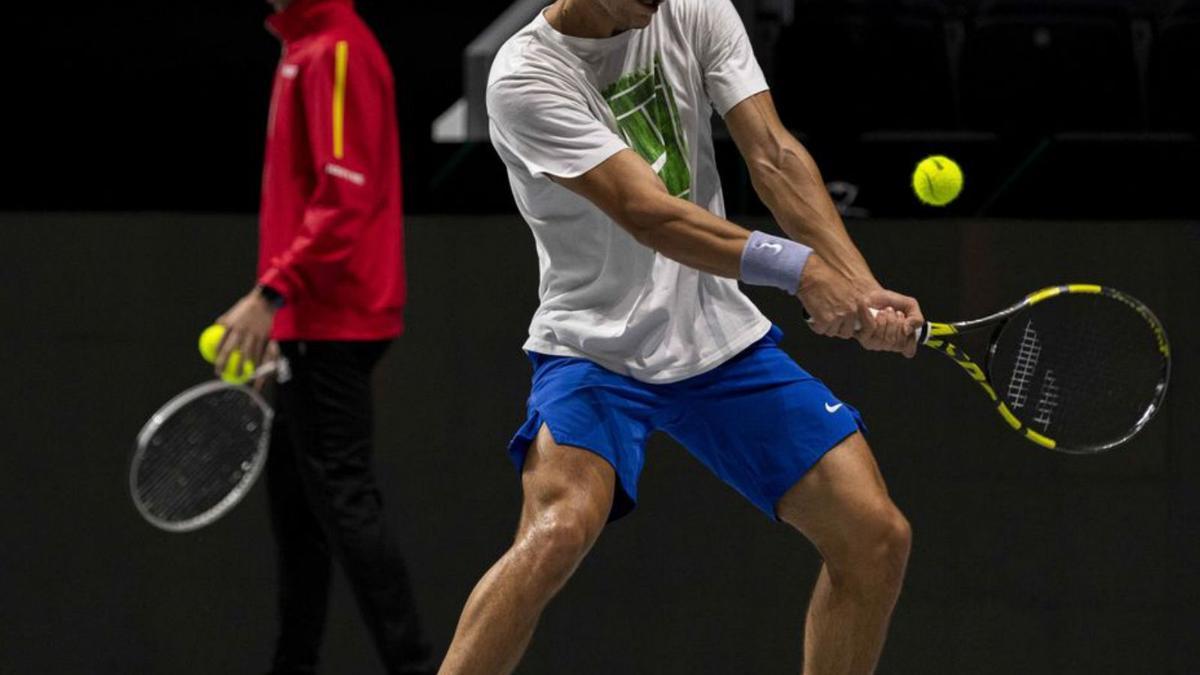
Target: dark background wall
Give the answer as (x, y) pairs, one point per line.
(1025, 561)
(162, 105)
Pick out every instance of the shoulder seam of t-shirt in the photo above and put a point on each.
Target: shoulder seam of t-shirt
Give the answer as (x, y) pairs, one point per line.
(565, 94)
(524, 36)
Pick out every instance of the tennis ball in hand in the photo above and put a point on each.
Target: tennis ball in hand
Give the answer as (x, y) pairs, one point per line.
(237, 370)
(210, 339)
(937, 180)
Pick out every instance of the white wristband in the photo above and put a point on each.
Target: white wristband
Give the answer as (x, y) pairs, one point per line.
(773, 261)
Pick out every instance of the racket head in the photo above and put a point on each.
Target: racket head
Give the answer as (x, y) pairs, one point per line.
(199, 455)
(1081, 368)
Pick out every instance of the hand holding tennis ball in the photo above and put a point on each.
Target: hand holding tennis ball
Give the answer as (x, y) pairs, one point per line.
(937, 180)
(237, 370)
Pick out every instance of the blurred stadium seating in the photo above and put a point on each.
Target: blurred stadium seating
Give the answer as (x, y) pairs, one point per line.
(1174, 69)
(1035, 67)
(853, 67)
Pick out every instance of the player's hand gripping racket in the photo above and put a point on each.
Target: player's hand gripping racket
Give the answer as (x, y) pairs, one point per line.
(201, 452)
(1077, 368)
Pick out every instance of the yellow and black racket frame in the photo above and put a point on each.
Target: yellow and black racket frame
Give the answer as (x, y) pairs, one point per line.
(939, 337)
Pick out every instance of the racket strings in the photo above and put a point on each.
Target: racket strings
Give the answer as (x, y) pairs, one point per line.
(1083, 370)
(1097, 376)
(200, 454)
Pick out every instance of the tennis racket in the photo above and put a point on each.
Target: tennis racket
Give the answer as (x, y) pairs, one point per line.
(201, 452)
(1078, 368)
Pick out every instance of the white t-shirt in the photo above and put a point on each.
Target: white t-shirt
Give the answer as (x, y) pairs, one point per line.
(560, 106)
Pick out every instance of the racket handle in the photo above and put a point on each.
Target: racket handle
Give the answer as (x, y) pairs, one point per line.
(278, 368)
(920, 335)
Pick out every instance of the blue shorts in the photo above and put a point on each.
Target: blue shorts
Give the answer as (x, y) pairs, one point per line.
(758, 421)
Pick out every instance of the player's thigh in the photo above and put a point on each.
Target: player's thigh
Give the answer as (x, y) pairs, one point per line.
(562, 481)
(842, 500)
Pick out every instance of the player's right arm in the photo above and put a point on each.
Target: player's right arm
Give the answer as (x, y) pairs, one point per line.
(628, 191)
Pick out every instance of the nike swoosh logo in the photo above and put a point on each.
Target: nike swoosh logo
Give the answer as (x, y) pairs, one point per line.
(833, 408)
(777, 248)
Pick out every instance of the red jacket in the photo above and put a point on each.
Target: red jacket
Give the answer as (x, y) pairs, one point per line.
(330, 228)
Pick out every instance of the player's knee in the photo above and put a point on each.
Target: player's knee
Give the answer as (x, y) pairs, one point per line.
(877, 557)
(561, 536)
(896, 542)
(888, 548)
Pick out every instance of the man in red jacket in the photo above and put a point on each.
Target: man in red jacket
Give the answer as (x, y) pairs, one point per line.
(330, 294)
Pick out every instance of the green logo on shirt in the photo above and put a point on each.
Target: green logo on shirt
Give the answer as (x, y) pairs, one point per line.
(648, 117)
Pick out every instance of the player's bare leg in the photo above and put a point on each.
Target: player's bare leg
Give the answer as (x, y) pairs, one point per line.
(842, 506)
(568, 495)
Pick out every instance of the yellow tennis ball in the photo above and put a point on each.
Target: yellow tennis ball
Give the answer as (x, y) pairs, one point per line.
(937, 180)
(237, 370)
(210, 339)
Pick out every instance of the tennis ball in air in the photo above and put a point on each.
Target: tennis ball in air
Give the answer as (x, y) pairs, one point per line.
(937, 180)
(210, 339)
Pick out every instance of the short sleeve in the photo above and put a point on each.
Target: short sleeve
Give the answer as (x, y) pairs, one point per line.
(731, 71)
(546, 129)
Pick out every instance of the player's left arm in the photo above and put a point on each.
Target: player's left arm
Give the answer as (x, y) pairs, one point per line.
(785, 176)
(787, 179)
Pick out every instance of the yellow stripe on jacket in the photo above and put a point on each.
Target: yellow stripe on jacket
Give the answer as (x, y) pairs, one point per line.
(341, 59)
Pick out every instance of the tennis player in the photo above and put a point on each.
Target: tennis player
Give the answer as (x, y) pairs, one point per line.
(601, 112)
(331, 292)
